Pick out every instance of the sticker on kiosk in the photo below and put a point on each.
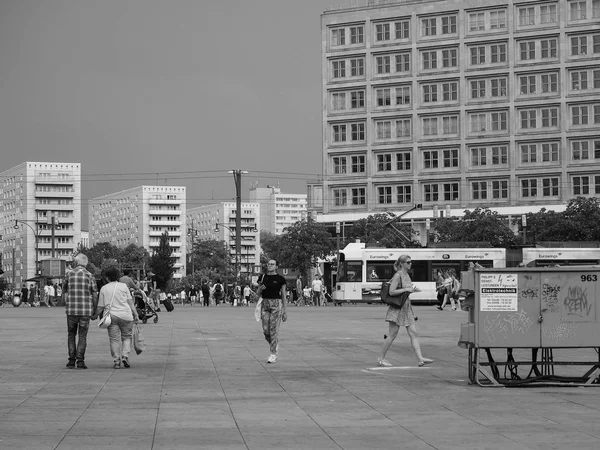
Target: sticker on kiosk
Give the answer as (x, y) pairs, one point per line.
(498, 292)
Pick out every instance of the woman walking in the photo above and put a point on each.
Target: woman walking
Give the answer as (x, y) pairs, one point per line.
(404, 316)
(116, 298)
(272, 289)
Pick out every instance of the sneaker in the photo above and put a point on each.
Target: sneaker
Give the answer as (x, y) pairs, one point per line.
(81, 365)
(125, 362)
(117, 365)
(272, 359)
(383, 362)
(71, 365)
(440, 308)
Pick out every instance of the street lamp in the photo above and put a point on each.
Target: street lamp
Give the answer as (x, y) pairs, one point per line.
(238, 241)
(192, 233)
(36, 234)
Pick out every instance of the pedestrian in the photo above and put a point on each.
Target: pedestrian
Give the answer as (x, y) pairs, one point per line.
(317, 287)
(129, 282)
(193, 295)
(307, 296)
(272, 289)
(247, 294)
(24, 294)
(217, 292)
(116, 300)
(49, 293)
(205, 288)
(439, 287)
(182, 296)
(80, 306)
(404, 316)
(299, 292)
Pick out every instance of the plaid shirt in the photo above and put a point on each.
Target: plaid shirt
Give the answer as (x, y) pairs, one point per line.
(81, 292)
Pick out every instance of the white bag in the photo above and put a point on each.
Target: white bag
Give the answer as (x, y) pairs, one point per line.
(105, 321)
(257, 312)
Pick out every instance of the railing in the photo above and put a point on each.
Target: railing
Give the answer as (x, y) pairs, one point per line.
(369, 3)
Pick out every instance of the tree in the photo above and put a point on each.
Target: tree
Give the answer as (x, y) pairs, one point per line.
(3, 284)
(378, 228)
(270, 245)
(211, 260)
(303, 244)
(134, 257)
(479, 225)
(162, 262)
(101, 251)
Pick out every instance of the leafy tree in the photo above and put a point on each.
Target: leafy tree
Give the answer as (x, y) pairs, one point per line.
(162, 262)
(3, 283)
(134, 257)
(270, 245)
(101, 251)
(303, 243)
(211, 260)
(382, 228)
(479, 225)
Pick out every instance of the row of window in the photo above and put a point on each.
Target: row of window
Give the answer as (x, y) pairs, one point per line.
(447, 125)
(445, 25)
(529, 189)
(479, 157)
(484, 55)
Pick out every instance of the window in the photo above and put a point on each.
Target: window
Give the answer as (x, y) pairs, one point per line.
(450, 125)
(384, 129)
(403, 95)
(339, 133)
(338, 37)
(428, 27)
(490, 88)
(357, 67)
(581, 185)
(497, 20)
(404, 194)
(450, 58)
(498, 53)
(578, 45)
(384, 97)
(549, 117)
(429, 60)
(357, 99)
(500, 155)
(340, 197)
(338, 100)
(528, 154)
(526, 16)
(479, 190)
(549, 82)
(579, 115)
(478, 156)
(358, 163)
(529, 188)
(478, 122)
(430, 93)
(499, 121)
(549, 48)
(383, 64)
(402, 62)
(527, 50)
(403, 161)
(339, 164)
(549, 187)
(450, 191)
(578, 10)
(357, 35)
(478, 89)
(403, 128)
(430, 126)
(527, 83)
(339, 69)
(430, 159)
(499, 189)
(580, 150)
(358, 196)
(499, 87)
(450, 158)
(384, 162)
(402, 29)
(382, 32)
(477, 55)
(550, 152)
(384, 194)
(431, 192)
(449, 25)
(358, 131)
(476, 21)
(548, 14)
(450, 91)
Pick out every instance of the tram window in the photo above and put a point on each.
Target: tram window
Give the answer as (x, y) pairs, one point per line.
(351, 272)
(380, 271)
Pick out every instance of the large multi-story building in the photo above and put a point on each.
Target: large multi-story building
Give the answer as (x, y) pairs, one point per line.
(449, 103)
(278, 210)
(40, 216)
(202, 224)
(140, 216)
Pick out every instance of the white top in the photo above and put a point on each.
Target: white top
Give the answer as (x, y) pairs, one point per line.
(316, 285)
(120, 308)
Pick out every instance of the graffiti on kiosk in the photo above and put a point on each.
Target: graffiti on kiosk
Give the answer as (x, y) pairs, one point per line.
(502, 324)
(529, 294)
(550, 297)
(561, 331)
(576, 302)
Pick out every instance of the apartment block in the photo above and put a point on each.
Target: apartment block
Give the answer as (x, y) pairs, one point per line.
(278, 210)
(218, 221)
(455, 104)
(140, 216)
(40, 216)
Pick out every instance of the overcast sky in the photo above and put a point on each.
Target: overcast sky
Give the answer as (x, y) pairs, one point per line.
(170, 86)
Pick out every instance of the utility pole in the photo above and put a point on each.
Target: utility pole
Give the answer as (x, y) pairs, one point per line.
(237, 178)
(53, 225)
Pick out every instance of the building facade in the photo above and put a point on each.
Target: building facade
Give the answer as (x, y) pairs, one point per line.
(202, 223)
(278, 210)
(140, 216)
(40, 216)
(455, 104)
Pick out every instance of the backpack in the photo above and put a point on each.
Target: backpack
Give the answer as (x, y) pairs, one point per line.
(218, 287)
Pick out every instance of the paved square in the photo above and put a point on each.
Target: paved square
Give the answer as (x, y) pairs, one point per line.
(203, 383)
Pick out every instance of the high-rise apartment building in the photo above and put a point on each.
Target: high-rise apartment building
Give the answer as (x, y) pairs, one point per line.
(202, 224)
(40, 216)
(140, 216)
(278, 210)
(459, 104)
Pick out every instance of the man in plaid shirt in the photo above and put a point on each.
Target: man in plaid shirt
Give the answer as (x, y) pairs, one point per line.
(81, 300)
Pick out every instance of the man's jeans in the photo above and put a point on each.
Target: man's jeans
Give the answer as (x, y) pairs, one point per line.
(119, 336)
(77, 325)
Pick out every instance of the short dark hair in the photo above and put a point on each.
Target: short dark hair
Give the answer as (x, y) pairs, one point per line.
(112, 274)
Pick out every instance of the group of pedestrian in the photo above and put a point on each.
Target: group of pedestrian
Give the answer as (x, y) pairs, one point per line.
(83, 304)
(447, 285)
(310, 295)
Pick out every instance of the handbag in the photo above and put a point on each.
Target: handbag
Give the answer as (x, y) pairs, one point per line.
(392, 300)
(139, 343)
(105, 321)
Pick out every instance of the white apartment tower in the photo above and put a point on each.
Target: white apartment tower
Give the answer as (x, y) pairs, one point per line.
(278, 210)
(140, 216)
(202, 224)
(459, 104)
(34, 196)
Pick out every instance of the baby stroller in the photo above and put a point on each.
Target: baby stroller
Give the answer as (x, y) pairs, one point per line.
(145, 307)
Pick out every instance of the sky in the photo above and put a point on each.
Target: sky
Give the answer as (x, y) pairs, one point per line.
(175, 92)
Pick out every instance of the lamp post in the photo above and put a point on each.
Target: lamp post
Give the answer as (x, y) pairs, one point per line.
(192, 233)
(36, 234)
(237, 178)
(238, 242)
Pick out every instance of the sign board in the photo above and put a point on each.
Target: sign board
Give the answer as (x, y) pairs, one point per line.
(498, 292)
(53, 268)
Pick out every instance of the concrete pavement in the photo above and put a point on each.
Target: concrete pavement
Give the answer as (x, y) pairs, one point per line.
(203, 383)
